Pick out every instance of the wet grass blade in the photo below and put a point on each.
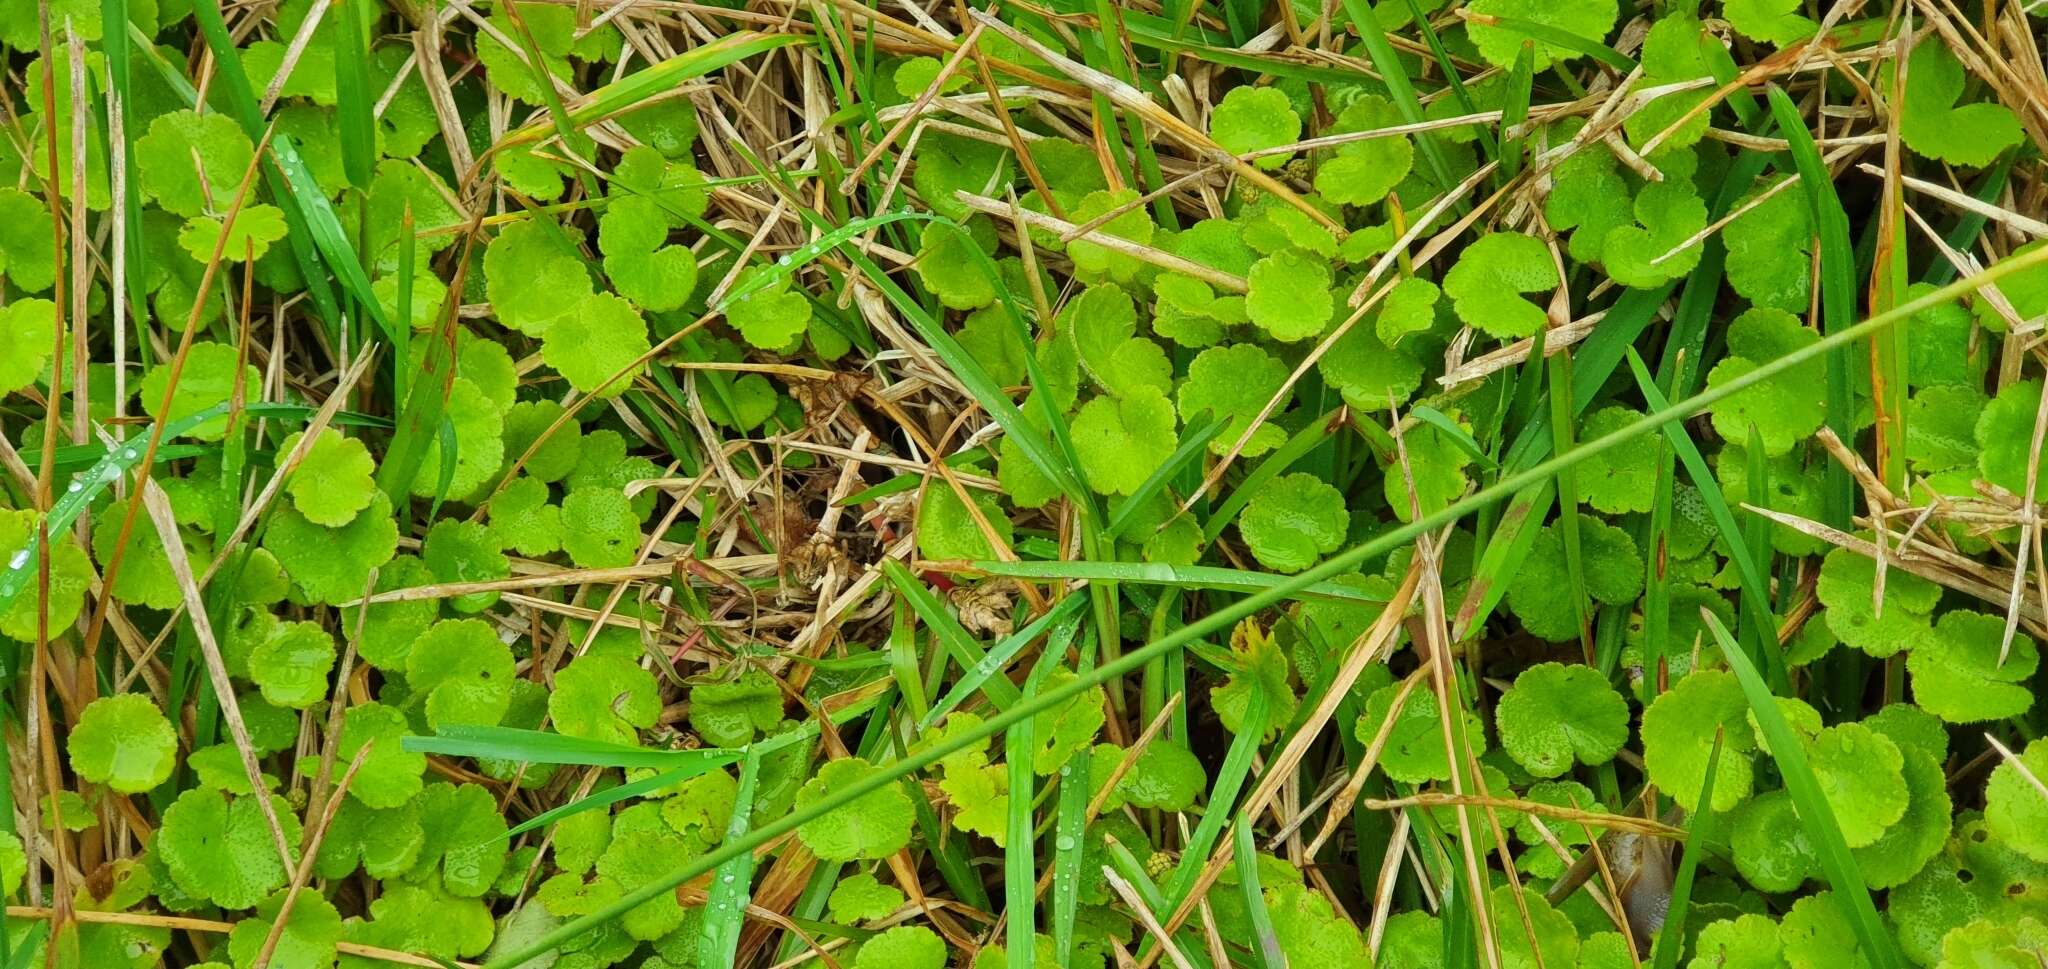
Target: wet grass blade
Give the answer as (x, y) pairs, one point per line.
(1244, 855)
(1020, 855)
(353, 97)
(243, 107)
(725, 910)
(1178, 576)
(1070, 834)
(1815, 815)
(1063, 613)
(541, 747)
(957, 640)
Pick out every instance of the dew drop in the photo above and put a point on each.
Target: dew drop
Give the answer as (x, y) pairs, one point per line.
(20, 559)
(75, 488)
(129, 455)
(1066, 842)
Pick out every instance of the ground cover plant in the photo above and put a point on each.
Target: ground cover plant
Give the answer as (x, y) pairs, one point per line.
(1416, 483)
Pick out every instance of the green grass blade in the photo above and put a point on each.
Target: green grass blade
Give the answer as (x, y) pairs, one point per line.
(1457, 435)
(725, 908)
(1244, 855)
(1064, 613)
(1699, 832)
(1962, 237)
(1815, 815)
(1305, 440)
(113, 464)
(541, 747)
(1558, 37)
(957, 640)
(1395, 76)
(1754, 597)
(1192, 443)
(1222, 619)
(1837, 289)
(909, 482)
(1657, 580)
(1070, 834)
(1178, 576)
(605, 798)
(985, 390)
(231, 78)
(634, 89)
(1521, 84)
(1488, 147)
(903, 651)
(1558, 367)
(354, 101)
(1020, 855)
(1230, 779)
(1504, 554)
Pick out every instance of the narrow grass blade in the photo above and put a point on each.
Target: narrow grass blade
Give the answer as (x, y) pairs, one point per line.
(1457, 435)
(725, 910)
(1837, 288)
(1192, 443)
(540, 747)
(1305, 440)
(1558, 369)
(1489, 148)
(1070, 840)
(1064, 613)
(957, 640)
(1815, 815)
(1179, 576)
(1657, 581)
(232, 79)
(634, 89)
(20, 570)
(1395, 75)
(1558, 37)
(353, 97)
(903, 653)
(1020, 856)
(986, 392)
(605, 798)
(1132, 870)
(1504, 554)
(909, 482)
(1700, 831)
(1754, 595)
(1244, 855)
(1230, 779)
(1521, 84)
